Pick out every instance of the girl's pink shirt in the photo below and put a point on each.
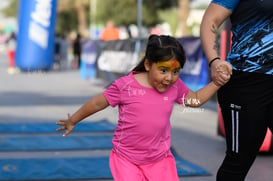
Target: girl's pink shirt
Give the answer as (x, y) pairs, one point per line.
(143, 134)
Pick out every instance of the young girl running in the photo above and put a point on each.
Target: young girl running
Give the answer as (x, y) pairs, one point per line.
(145, 97)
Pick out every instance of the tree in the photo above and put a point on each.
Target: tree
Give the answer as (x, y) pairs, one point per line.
(123, 15)
(11, 10)
(73, 15)
(183, 14)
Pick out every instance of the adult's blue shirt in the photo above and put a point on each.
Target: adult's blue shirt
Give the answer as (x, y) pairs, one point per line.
(252, 40)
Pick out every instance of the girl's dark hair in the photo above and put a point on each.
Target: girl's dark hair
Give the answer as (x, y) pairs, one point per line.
(162, 48)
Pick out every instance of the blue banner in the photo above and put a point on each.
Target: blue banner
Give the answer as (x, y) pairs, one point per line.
(195, 71)
(117, 58)
(35, 40)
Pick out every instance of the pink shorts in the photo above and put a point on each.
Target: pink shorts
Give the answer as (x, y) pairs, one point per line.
(123, 170)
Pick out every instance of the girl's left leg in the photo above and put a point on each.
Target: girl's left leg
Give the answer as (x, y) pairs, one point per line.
(123, 170)
(162, 170)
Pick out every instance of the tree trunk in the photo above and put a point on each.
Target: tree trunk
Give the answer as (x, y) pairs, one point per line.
(81, 14)
(183, 13)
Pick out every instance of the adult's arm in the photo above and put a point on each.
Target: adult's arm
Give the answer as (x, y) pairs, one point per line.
(213, 18)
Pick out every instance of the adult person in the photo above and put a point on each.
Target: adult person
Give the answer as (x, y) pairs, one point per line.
(11, 48)
(57, 47)
(246, 101)
(64, 51)
(145, 97)
(110, 32)
(77, 50)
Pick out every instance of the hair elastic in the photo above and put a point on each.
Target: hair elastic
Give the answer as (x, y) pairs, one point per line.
(216, 58)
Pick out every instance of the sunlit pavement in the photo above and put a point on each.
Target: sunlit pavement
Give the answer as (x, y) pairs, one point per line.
(49, 96)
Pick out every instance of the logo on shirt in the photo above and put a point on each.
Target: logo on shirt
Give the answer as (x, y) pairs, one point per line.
(135, 91)
(165, 98)
(191, 101)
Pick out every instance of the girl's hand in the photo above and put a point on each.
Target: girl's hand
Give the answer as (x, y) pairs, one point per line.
(66, 124)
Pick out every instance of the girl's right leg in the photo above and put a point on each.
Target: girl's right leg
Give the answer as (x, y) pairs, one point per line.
(123, 170)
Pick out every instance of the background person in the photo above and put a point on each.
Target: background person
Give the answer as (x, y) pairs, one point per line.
(64, 51)
(77, 49)
(11, 48)
(110, 32)
(246, 101)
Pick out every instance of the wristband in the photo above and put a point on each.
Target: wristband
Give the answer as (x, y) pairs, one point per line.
(216, 58)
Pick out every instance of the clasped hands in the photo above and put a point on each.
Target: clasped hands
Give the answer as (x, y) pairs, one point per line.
(220, 72)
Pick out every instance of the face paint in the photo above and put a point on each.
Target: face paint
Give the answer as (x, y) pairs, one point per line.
(170, 64)
(162, 75)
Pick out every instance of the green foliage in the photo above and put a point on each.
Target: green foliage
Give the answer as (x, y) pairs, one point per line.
(170, 16)
(160, 4)
(125, 12)
(122, 12)
(117, 11)
(12, 9)
(66, 21)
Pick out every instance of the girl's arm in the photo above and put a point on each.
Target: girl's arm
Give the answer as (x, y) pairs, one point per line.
(94, 105)
(198, 98)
